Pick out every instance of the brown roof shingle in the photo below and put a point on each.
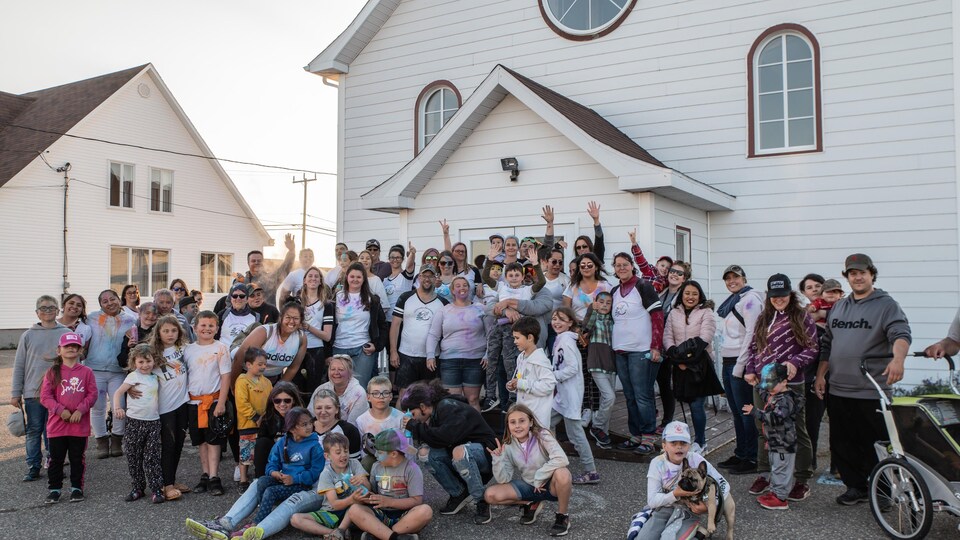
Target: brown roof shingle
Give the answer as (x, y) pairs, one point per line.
(55, 110)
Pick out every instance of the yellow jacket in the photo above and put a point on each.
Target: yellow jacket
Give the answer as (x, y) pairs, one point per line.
(251, 399)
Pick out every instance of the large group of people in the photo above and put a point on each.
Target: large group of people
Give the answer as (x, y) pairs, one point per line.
(284, 374)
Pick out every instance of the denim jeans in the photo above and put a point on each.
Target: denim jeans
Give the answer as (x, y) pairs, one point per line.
(363, 364)
(637, 375)
(453, 475)
(699, 415)
(107, 384)
(739, 393)
(36, 431)
(279, 518)
(607, 384)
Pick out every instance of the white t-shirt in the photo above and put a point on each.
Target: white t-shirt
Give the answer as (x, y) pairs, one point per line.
(632, 327)
(506, 292)
(294, 281)
(233, 325)
(395, 286)
(145, 407)
(556, 288)
(353, 322)
(366, 423)
(417, 318)
(206, 363)
(580, 300)
(317, 315)
(173, 380)
(332, 277)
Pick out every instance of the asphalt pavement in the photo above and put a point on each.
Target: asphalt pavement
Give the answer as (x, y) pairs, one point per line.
(597, 512)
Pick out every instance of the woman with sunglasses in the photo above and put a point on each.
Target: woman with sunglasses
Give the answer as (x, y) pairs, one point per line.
(376, 284)
(447, 266)
(180, 289)
(351, 396)
(462, 266)
(583, 244)
(130, 297)
(237, 316)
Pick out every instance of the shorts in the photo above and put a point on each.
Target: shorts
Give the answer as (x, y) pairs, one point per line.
(457, 372)
(200, 435)
(389, 517)
(411, 370)
(328, 518)
(525, 491)
(248, 443)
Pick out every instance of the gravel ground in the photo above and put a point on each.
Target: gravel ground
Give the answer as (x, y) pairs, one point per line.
(601, 511)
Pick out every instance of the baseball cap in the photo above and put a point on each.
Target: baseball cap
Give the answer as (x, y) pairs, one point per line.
(254, 287)
(857, 261)
(665, 258)
(186, 301)
(373, 242)
(772, 375)
(778, 285)
(831, 285)
(391, 440)
(735, 268)
(71, 338)
(242, 287)
(428, 268)
(492, 236)
(676, 431)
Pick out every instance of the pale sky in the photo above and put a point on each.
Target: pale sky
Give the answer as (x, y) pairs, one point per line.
(236, 68)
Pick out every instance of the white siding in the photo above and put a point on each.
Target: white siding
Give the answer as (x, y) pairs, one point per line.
(673, 78)
(32, 216)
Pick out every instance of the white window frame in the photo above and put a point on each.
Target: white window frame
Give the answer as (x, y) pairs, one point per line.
(785, 91)
(216, 288)
(163, 206)
(123, 179)
(556, 19)
(422, 137)
(146, 289)
(684, 252)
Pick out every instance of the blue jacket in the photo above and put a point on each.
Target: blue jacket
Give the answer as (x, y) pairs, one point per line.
(303, 460)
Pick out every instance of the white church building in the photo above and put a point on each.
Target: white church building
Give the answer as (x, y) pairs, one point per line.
(777, 135)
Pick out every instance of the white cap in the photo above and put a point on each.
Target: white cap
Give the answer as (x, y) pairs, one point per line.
(676, 431)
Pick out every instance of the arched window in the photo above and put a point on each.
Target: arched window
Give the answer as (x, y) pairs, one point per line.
(435, 106)
(784, 92)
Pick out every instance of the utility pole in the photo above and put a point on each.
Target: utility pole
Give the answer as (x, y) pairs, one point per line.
(303, 227)
(66, 188)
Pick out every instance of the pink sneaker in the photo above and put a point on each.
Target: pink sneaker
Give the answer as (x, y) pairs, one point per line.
(772, 502)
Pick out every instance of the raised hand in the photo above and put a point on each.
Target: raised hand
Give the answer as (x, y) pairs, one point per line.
(492, 253)
(547, 214)
(532, 255)
(593, 209)
(444, 227)
(496, 451)
(410, 249)
(633, 237)
(289, 242)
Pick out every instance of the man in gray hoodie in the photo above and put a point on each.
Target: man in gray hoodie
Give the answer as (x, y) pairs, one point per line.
(35, 353)
(867, 322)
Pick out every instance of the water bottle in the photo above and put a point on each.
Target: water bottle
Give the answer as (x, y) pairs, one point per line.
(346, 480)
(406, 432)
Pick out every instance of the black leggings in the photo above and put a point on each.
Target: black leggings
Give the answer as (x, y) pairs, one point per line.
(665, 382)
(173, 431)
(60, 447)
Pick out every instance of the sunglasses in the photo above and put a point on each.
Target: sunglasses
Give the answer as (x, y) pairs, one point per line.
(431, 258)
(446, 263)
(556, 261)
(278, 401)
(582, 246)
(676, 272)
(238, 296)
(179, 289)
(587, 266)
(380, 394)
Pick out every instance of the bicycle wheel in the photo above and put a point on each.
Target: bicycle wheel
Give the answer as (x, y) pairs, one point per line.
(900, 500)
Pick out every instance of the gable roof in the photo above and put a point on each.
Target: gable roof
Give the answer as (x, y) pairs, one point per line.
(636, 169)
(336, 58)
(55, 109)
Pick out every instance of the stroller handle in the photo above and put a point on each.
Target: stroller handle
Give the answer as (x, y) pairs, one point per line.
(921, 354)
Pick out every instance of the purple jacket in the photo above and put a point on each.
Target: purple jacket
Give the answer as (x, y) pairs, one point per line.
(782, 347)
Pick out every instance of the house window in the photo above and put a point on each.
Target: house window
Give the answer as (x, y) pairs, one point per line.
(121, 185)
(584, 19)
(161, 190)
(684, 250)
(148, 269)
(436, 104)
(785, 92)
(216, 272)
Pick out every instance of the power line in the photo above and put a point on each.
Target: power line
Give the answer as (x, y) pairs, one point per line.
(174, 152)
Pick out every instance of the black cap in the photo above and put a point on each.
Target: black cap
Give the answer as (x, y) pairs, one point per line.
(778, 286)
(372, 242)
(735, 268)
(187, 300)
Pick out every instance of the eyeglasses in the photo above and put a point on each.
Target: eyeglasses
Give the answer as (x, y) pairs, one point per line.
(135, 293)
(460, 251)
(556, 261)
(380, 394)
(395, 258)
(446, 263)
(179, 289)
(47, 309)
(238, 296)
(676, 272)
(289, 318)
(279, 400)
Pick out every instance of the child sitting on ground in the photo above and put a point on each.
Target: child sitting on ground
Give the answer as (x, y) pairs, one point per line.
(379, 417)
(533, 380)
(250, 392)
(343, 482)
(394, 508)
(601, 363)
(830, 294)
(779, 421)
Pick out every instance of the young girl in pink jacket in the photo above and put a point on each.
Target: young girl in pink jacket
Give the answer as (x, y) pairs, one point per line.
(68, 392)
(692, 317)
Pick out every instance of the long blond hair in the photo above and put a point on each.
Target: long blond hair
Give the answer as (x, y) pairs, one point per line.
(535, 427)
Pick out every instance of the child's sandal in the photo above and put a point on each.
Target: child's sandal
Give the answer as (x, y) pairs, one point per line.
(134, 495)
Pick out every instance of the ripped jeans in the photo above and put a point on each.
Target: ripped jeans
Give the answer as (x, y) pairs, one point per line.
(471, 473)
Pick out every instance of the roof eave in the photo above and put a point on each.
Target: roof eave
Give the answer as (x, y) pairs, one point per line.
(679, 187)
(335, 59)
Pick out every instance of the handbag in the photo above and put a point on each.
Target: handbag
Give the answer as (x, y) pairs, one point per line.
(17, 422)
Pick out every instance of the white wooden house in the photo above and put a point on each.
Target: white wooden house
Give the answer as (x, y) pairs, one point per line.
(133, 215)
(781, 135)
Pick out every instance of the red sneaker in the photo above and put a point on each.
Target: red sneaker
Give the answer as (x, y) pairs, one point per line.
(799, 492)
(772, 502)
(759, 486)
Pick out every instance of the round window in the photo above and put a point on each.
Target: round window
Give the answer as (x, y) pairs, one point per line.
(585, 19)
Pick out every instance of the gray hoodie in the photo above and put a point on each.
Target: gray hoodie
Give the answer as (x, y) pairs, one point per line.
(856, 328)
(35, 354)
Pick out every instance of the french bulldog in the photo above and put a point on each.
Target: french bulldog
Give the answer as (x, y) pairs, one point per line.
(696, 480)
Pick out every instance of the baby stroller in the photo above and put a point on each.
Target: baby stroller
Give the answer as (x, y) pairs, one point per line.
(919, 469)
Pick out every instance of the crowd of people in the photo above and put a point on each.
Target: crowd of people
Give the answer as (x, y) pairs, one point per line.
(284, 374)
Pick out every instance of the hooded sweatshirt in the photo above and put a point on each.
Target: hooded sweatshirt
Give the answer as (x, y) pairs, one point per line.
(76, 391)
(783, 347)
(567, 369)
(303, 459)
(535, 384)
(534, 459)
(856, 328)
(35, 354)
(453, 422)
(737, 336)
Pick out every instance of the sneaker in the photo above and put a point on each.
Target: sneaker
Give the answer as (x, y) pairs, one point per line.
(236, 473)
(644, 449)
(561, 526)
(158, 497)
(599, 435)
(215, 487)
(239, 532)
(53, 497)
(32, 474)
(489, 404)
(745, 467)
(530, 513)
(760, 485)
(201, 487)
(253, 533)
(587, 478)
(134, 495)
(852, 497)
(730, 463)
(242, 486)
(483, 513)
(208, 529)
(76, 495)
(799, 492)
(772, 502)
(455, 504)
(585, 417)
(629, 444)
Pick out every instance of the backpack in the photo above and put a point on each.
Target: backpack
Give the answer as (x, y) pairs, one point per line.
(238, 339)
